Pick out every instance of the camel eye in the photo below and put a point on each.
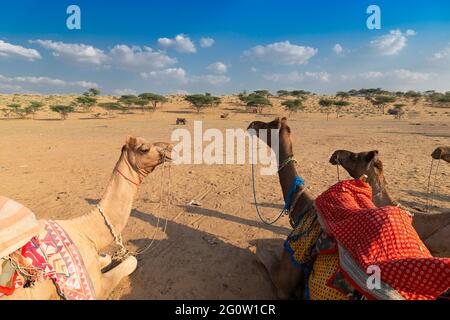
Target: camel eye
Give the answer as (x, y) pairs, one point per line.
(144, 149)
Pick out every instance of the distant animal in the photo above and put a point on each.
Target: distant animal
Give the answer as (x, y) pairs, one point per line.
(181, 121)
(224, 116)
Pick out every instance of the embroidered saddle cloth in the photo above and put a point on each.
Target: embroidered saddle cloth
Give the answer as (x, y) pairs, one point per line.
(383, 241)
(51, 255)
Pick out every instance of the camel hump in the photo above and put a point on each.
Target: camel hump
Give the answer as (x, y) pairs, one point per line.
(18, 225)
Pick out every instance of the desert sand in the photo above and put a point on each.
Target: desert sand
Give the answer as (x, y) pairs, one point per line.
(60, 169)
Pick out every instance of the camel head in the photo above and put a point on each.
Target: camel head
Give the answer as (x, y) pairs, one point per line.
(144, 156)
(280, 124)
(441, 153)
(358, 164)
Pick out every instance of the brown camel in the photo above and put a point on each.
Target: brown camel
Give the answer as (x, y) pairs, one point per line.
(441, 153)
(284, 275)
(90, 232)
(433, 228)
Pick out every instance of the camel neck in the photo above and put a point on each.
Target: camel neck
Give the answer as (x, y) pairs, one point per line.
(288, 174)
(116, 204)
(380, 195)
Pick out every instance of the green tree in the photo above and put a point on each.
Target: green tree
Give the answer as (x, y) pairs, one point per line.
(16, 108)
(142, 103)
(299, 93)
(128, 100)
(326, 105)
(199, 101)
(34, 107)
(264, 93)
(243, 98)
(93, 92)
(110, 107)
(293, 106)
(340, 105)
(154, 98)
(86, 102)
(88, 99)
(63, 110)
(342, 95)
(283, 93)
(382, 101)
(258, 101)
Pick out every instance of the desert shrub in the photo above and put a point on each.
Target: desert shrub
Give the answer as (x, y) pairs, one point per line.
(258, 101)
(33, 107)
(63, 110)
(110, 107)
(326, 105)
(382, 101)
(154, 99)
(16, 109)
(88, 99)
(201, 101)
(293, 106)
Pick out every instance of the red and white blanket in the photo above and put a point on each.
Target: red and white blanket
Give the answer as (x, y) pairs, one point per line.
(368, 236)
(52, 255)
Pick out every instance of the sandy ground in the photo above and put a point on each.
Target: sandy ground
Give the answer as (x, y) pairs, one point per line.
(60, 169)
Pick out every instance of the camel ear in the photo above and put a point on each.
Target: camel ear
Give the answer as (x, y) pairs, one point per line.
(372, 156)
(131, 142)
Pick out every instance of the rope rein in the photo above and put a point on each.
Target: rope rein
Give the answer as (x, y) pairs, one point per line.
(123, 252)
(289, 203)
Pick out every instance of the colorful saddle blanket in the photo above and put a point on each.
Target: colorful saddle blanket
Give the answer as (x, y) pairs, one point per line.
(51, 255)
(380, 242)
(315, 253)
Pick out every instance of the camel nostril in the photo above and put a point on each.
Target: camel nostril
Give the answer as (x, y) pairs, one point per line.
(334, 160)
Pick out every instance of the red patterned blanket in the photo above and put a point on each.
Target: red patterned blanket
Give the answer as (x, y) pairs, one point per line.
(371, 238)
(51, 255)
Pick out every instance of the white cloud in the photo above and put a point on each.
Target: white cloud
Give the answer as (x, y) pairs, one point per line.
(403, 75)
(10, 87)
(19, 83)
(338, 49)
(253, 69)
(169, 75)
(77, 52)
(392, 43)
(139, 59)
(8, 49)
(209, 79)
(123, 92)
(180, 43)
(179, 76)
(132, 58)
(441, 55)
(206, 42)
(218, 68)
(283, 53)
(295, 76)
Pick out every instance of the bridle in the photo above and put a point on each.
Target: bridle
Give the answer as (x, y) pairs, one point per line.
(123, 252)
(126, 178)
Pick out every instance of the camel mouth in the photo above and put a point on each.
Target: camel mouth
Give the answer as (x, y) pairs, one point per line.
(166, 157)
(334, 160)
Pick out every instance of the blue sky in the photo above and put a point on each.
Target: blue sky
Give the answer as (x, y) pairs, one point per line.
(223, 46)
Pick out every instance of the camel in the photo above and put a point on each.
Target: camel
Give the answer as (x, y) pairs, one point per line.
(285, 276)
(93, 232)
(432, 228)
(441, 153)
